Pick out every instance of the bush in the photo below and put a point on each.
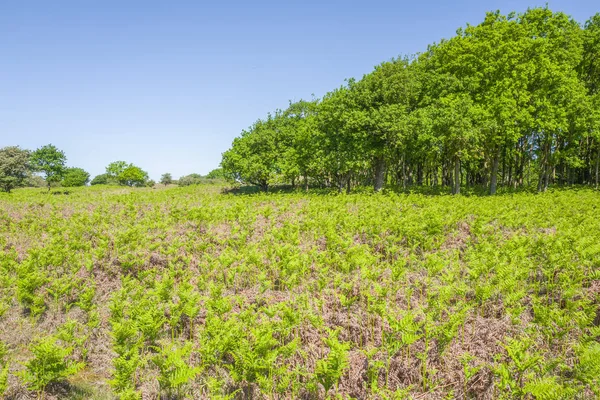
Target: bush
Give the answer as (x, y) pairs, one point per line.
(191, 179)
(75, 177)
(103, 179)
(35, 181)
(14, 167)
(133, 176)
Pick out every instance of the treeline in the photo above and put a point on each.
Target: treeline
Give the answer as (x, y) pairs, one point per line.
(513, 101)
(46, 166)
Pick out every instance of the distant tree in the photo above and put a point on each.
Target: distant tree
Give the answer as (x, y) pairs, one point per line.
(124, 174)
(116, 168)
(150, 183)
(217, 173)
(132, 176)
(191, 179)
(50, 161)
(14, 167)
(166, 179)
(35, 181)
(75, 177)
(103, 179)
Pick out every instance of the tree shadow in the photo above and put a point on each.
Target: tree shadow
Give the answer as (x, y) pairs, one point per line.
(429, 191)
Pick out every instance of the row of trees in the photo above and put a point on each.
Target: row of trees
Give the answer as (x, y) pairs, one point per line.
(20, 167)
(513, 101)
(123, 173)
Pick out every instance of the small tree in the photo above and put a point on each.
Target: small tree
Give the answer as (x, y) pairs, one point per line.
(14, 167)
(50, 161)
(75, 177)
(103, 179)
(217, 173)
(132, 176)
(116, 168)
(124, 174)
(166, 179)
(191, 179)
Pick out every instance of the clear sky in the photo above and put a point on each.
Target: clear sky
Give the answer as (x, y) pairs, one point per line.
(168, 84)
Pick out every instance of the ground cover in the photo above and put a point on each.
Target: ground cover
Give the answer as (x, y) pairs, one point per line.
(191, 293)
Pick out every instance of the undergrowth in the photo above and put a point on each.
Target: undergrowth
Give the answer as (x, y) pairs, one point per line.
(191, 293)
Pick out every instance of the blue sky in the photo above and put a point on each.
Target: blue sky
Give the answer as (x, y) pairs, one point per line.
(167, 85)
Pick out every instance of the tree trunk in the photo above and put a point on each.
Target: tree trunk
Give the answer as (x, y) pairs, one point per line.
(379, 173)
(348, 184)
(456, 189)
(494, 174)
(545, 170)
(597, 165)
(404, 178)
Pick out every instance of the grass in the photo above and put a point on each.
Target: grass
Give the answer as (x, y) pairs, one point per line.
(195, 293)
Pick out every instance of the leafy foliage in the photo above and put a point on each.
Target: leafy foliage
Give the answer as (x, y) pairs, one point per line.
(50, 161)
(50, 363)
(75, 177)
(14, 167)
(166, 179)
(125, 174)
(195, 293)
(3, 368)
(512, 101)
(103, 179)
(175, 372)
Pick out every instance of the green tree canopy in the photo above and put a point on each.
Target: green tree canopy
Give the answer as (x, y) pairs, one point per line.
(132, 176)
(75, 177)
(115, 168)
(14, 167)
(166, 179)
(103, 179)
(510, 102)
(50, 161)
(123, 173)
(216, 174)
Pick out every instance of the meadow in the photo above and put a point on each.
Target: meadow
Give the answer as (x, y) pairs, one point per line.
(111, 292)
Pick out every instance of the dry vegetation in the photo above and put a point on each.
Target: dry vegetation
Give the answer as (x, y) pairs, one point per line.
(189, 293)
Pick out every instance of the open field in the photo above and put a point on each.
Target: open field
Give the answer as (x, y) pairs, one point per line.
(190, 293)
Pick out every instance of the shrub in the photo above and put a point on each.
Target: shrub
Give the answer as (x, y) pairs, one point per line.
(103, 179)
(14, 167)
(75, 177)
(191, 179)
